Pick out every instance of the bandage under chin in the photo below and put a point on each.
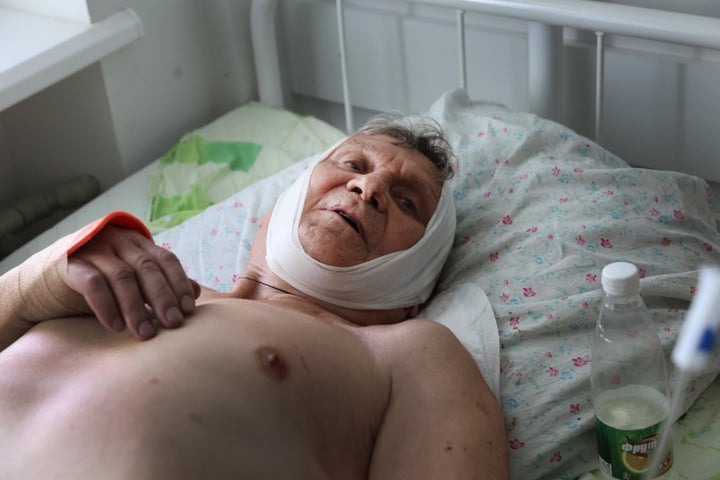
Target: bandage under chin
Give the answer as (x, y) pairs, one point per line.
(396, 280)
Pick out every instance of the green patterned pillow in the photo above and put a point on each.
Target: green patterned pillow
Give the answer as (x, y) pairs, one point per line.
(245, 145)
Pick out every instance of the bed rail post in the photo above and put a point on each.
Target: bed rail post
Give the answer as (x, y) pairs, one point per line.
(462, 59)
(599, 83)
(545, 69)
(343, 67)
(265, 51)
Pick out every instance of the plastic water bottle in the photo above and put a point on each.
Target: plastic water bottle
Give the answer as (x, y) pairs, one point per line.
(629, 381)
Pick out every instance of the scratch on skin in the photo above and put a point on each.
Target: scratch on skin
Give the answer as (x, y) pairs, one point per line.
(482, 407)
(305, 365)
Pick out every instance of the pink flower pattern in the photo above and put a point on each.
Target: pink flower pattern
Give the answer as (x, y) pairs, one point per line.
(580, 361)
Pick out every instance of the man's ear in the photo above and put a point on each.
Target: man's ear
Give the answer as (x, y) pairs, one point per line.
(412, 312)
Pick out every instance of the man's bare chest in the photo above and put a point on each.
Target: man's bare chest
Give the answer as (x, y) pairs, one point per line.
(235, 377)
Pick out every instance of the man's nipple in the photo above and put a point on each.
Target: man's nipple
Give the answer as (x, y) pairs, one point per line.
(272, 363)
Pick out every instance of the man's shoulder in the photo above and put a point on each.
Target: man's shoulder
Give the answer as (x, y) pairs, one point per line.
(421, 328)
(420, 342)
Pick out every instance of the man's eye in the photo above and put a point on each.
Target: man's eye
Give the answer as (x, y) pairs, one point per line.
(408, 204)
(354, 166)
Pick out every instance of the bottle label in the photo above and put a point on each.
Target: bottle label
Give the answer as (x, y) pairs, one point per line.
(628, 454)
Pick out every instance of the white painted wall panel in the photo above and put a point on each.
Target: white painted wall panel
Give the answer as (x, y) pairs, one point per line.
(185, 71)
(310, 50)
(373, 43)
(696, 7)
(61, 132)
(432, 66)
(398, 61)
(112, 118)
(496, 63)
(700, 148)
(642, 111)
(661, 101)
(74, 10)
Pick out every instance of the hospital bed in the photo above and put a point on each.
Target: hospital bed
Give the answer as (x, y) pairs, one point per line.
(541, 209)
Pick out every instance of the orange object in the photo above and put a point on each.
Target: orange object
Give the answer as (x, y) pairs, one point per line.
(118, 218)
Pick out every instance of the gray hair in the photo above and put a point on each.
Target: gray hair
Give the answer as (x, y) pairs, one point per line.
(419, 133)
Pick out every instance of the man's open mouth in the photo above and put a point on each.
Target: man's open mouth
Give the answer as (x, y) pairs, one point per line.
(351, 221)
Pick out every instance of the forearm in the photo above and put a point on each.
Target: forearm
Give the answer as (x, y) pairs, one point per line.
(38, 290)
(35, 291)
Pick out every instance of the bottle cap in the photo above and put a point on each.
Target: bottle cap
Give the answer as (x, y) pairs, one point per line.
(620, 278)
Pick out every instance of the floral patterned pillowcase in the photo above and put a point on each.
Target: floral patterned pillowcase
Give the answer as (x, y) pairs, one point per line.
(540, 211)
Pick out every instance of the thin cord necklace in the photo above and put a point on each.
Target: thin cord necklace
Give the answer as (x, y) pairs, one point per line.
(266, 284)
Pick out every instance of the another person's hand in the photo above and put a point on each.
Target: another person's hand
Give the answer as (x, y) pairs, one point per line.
(128, 281)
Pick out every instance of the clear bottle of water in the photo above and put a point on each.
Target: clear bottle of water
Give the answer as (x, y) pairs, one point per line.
(629, 381)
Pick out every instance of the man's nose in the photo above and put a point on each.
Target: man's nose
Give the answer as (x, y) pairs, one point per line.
(372, 189)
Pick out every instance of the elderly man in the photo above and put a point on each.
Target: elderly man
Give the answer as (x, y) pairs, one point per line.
(305, 369)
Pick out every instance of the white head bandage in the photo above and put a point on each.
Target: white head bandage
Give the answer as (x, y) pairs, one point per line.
(396, 280)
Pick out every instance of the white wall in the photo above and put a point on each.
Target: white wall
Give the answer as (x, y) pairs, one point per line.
(61, 132)
(74, 10)
(696, 7)
(193, 64)
(661, 103)
(114, 117)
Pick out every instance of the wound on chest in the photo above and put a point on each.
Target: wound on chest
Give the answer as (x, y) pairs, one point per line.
(272, 363)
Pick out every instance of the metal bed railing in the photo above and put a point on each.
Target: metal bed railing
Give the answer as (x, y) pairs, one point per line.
(545, 39)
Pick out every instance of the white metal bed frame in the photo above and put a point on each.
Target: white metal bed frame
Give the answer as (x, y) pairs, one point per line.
(545, 39)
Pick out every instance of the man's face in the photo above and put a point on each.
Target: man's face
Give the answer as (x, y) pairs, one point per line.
(367, 199)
